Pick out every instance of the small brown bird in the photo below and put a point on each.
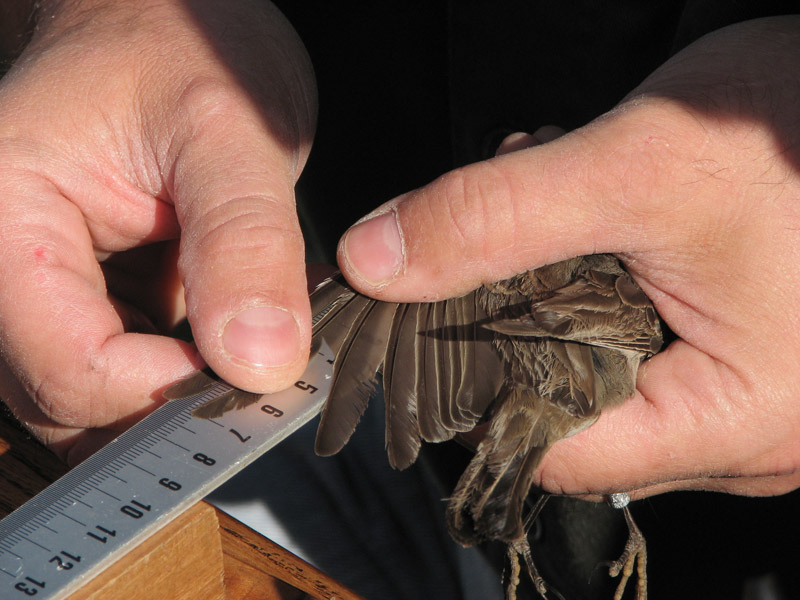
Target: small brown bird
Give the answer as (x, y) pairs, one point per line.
(537, 357)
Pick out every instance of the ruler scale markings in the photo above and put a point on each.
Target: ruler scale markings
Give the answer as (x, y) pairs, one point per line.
(71, 519)
(30, 541)
(42, 519)
(82, 487)
(118, 464)
(133, 464)
(78, 499)
(176, 444)
(109, 495)
(101, 509)
(95, 480)
(107, 471)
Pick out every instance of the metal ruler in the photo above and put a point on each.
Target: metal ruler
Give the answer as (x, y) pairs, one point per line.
(138, 483)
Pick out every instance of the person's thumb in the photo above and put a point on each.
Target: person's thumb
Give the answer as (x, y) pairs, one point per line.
(242, 252)
(589, 191)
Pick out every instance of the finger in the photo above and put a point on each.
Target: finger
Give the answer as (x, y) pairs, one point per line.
(521, 140)
(548, 133)
(74, 444)
(242, 252)
(760, 486)
(763, 485)
(586, 192)
(692, 425)
(70, 444)
(71, 363)
(754, 486)
(516, 141)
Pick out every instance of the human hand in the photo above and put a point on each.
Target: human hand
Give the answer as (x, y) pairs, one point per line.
(693, 182)
(123, 127)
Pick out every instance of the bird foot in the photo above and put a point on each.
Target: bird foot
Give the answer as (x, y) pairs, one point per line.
(515, 550)
(635, 553)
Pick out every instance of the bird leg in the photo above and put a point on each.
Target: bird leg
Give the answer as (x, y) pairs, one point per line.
(515, 550)
(635, 548)
(522, 548)
(513, 574)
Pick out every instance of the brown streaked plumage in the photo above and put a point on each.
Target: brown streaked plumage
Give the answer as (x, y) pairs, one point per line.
(538, 356)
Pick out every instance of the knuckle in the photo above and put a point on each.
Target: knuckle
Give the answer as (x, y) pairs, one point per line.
(77, 397)
(213, 117)
(205, 100)
(480, 205)
(253, 231)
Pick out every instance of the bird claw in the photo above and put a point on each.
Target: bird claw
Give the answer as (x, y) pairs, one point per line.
(515, 550)
(635, 548)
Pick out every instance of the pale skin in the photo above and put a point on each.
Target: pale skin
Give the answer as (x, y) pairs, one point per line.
(123, 125)
(125, 130)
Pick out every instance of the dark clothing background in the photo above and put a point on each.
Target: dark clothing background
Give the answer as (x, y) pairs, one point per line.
(409, 90)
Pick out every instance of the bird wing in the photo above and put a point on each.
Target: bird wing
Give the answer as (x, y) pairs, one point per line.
(597, 309)
(355, 372)
(439, 372)
(400, 393)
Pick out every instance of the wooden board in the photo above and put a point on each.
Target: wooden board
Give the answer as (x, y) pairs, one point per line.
(183, 561)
